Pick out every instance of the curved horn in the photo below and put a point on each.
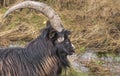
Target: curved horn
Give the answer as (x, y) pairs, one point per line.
(54, 18)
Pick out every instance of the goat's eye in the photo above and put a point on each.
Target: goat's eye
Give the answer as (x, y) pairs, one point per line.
(60, 39)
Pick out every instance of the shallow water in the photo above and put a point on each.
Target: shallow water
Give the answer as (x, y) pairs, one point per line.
(110, 63)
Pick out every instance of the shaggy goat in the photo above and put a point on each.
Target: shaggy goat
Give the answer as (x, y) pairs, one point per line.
(44, 56)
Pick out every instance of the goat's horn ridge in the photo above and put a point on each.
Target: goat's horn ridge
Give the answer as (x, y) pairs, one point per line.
(54, 18)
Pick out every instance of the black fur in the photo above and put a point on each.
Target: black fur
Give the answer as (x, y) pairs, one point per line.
(44, 56)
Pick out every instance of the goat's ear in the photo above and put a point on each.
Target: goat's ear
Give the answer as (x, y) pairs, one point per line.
(51, 32)
(68, 32)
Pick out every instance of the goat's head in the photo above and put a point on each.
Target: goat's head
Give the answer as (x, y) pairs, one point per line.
(54, 30)
(61, 42)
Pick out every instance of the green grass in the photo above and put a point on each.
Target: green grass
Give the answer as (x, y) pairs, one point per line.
(72, 72)
(38, 20)
(3, 10)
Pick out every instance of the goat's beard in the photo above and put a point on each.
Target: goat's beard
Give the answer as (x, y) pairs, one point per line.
(62, 55)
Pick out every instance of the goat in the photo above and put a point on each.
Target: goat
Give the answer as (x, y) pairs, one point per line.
(44, 56)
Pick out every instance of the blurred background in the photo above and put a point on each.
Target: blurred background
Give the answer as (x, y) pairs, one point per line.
(95, 27)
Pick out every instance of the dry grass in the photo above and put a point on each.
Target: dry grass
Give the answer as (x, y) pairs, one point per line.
(17, 28)
(94, 23)
(96, 26)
